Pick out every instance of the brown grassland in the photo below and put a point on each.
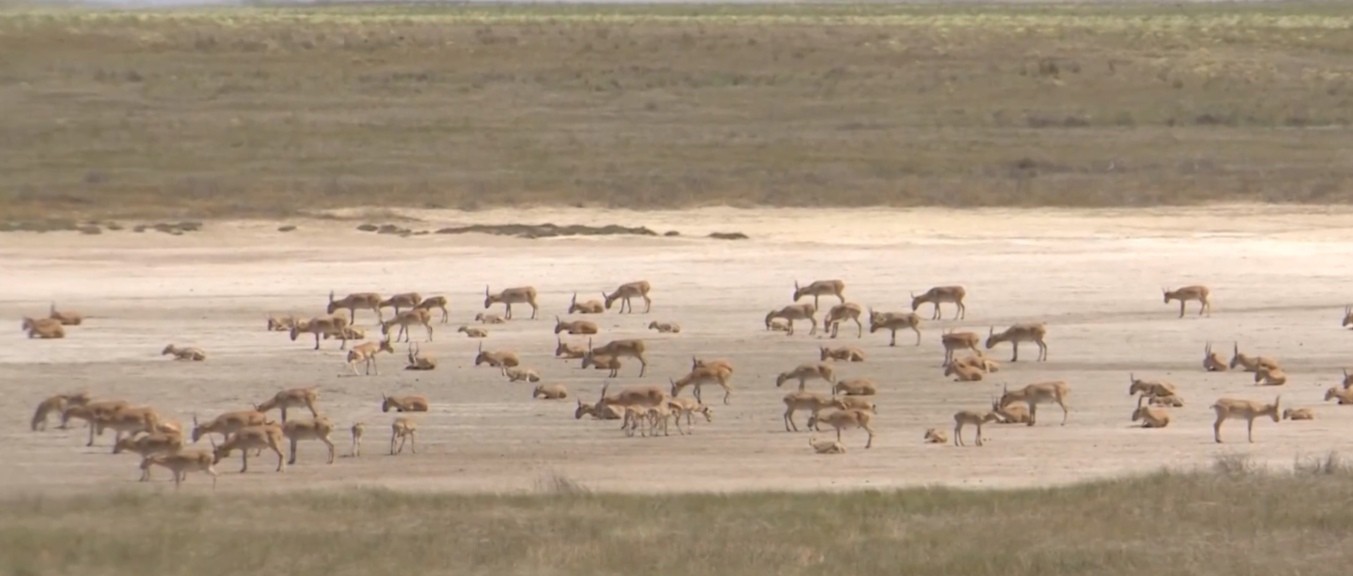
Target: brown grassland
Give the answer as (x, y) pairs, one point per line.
(271, 111)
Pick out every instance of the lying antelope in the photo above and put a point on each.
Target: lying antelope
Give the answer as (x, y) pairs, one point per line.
(317, 429)
(65, 318)
(598, 411)
(1012, 413)
(292, 398)
(474, 331)
(404, 300)
(1151, 417)
(1165, 401)
(703, 374)
(794, 312)
(252, 438)
(1149, 389)
(58, 404)
(322, 326)
(778, 325)
(968, 417)
(509, 296)
(521, 374)
(942, 295)
(366, 353)
(632, 348)
(402, 429)
(1183, 295)
(846, 354)
(500, 359)
(963, 372)
(575, 327)
(357, 430)
(484, 318)
(818, 289)
(187, 353)
(228, 423)
(826, 446)
(1343, 395)
(855, 387)
(1250, 363)
(955, 341)
(894, 321)
(588, 307)
(980, 362)
(1228, 408)
(437, 302)
(807, 371)
(348, 333)
(1298, 414)
(625, 292)
(845, 420)
(363, 300)
(840, 313)
(281, 323)
(1213, 361)
(665, 327)
(550, 392)
(44, 328)
(406, 319)
(1266, 376)
(419, 361)
(810, 401)
(936, 436)
(411, 403)
(180, 464)
(568, 351)
(1035, 332)
(1040, 393)
(603, 362)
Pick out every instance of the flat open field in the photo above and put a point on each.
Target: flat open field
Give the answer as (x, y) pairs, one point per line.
(274, 111)
(1279, 277)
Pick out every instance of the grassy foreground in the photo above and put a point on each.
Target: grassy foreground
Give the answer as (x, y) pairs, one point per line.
(1198, 524)
(269, 111)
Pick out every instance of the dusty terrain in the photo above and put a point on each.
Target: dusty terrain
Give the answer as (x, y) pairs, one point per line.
(1279, 279)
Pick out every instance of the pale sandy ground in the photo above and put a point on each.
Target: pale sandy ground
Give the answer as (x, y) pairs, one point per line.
(1280, 277)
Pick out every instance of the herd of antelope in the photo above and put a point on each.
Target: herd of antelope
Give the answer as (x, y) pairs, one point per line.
(644, 410)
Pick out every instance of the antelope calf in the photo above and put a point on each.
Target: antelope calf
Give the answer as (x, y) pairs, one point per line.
(1343, 395)
(847, 354)
(509, 296)
(588, 307)
(180, 464)
(317, 429)
(855, 387)
(689, 407)
(840, 313)
(1183, 295)
(1040, 393)
(568, 351)
(1250, 363)
(1229, 408)
(575, 327)
(366, 353)
(435, 302)
(963, 372)
(1151, 417)
(826, 446)
(252, 438)
(665, 327)
(411, 403)
(402, 429)
(500, 359)
(521, 374)
(418, 361)
(818, 289)
(1032, 332)
(550, 392)
(632, 348)
(807, 371)
(810, 401)
(702, 374)
(44, 328)
(148, 444)
(936, 436)
(484, 318)
(1213, 361)
(405, 300)
(357, 430)
(292, 398)
(58, 404)
(1298, 414)
(968, 417)
(942, 295)
(1267, 376)
(894, 321)
(625, 292)
(845, 420)
(66, 318)
(352, 302)
(406, 319)
(474, 331)
(794, 312)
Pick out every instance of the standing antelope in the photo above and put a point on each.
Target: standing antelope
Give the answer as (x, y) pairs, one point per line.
(357, 430)
(181, 463)
(126, 420)
(588, 307)
(406, 319)
(366, 353)
(1149, 389)
(807, 371)
(794, 312)
(419, 361)
(721, 362)
(1040, 393)
(510, 296)
(500, 359)
(818, 289)
(633, 348)
(827, 446)
(940, 295)
(840, 313)
(715, 373)
(1187, 293)
(292, 398)
(1251, 363)
(351, 302)
(955, 341)
(1227, 408)
(44, 328)
(574, 327)
(438, 302)
(317, 429)
(402, 300)
(252, 438)
(894, 321)
(846, 420)
(625, 292)
(1033, 332)
(1348, 316)
(968, 417)
(810, 401)
(228, 423)
(322, 326)
(65, 318)
(1213, 361)
(186, 353)
(58, 404)
(602, 362)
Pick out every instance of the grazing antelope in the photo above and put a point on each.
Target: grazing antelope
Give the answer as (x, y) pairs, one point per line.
(292, 398)
(58, 404)
(1343, 395)
(438, 302)
(633, 348)
(1187, 293)
(968, 417)
(188, 353)
(1034, 332)
(521, 374)
(316, 429)
(721, 363)
(807, 371)
(1298, 414)
(550, 391)
(65, 318)
(1348, 316)
(794, 312)
(855, 387)
(412, 403)
(474, 331)
(1250, 363)
(180, 464)
(149, 444)
(1040, 393)
(818, 289)
(627, 291)
(588, 307)
(845, 420)
(510, 296)
(252, 438)
(483, 318)
(127, 420)
(44, 328)
(406, 319)
(827, 446)
(419, 361)
(963, 372)
(1151, 417)
(936, 436)
(402, 429)
(568, 351)
(659, 416)
(281, 323)
(894, 321)
(367, 352)
(847, 354)
(598, 411)
(665, 327)
(840, 313)
(955, 341)
(1267, 376)
(699, 375)
(92, 412)
(601, 362)
(942, 295)
(228, 423)
(1149, 389)
(778, 325)
(401, 301)
(352, 302)
(574, 327)
(810, 401)
(500, 359)
(1013, 413)
(322, 326)
(688, 407)
(357, 430)
(638, 397)
(1213, 361)
(1228, 408)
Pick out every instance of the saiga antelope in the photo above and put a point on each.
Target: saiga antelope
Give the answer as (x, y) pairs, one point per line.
(550, 392)
(588, 307)
(320, 326)
(665, 327)
(317, 429)
(1183, 295)
(716, 374)
(963, 372)
(65, 318)
(625, 292)
(602, 362)
(1033, 332)
(149, 444)
(474, 331)
(351, 302)
(292, 398)
(936, 436)
(855, 387)
(1269, 376)
(1149, 388)
(357, 430)
(1040, 393)
(406, 319)
(1012, 413)
(847, 354)
(510, 296)
(840, 313)
(1343, 395)
(1250, 363)
(568, 351)
(44, 328)
(633, 348)
(251, 438)
(180, 464)
(1348, 316)
(400, 301)
(574, 327)
(894, 321)
(794, 312)
(281, 323)
(126, 420)
(419, 361)
(412, 403)
(367, 352)
(228, 423)
(807, 371)
(500, 359)
(402, 429)
(810, 401)
(438, 302)
(818, 289)
(955, 341)
(1151, 417)
(968, 417)
(1348, 379)
(1227, 408)
(846, 420)
(940, 295)
(58, 404)
(187, 353)
(1213, 361)
(724, 364)
(484, 318)
(826, 446)
(1298, 414)
(521, 374)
